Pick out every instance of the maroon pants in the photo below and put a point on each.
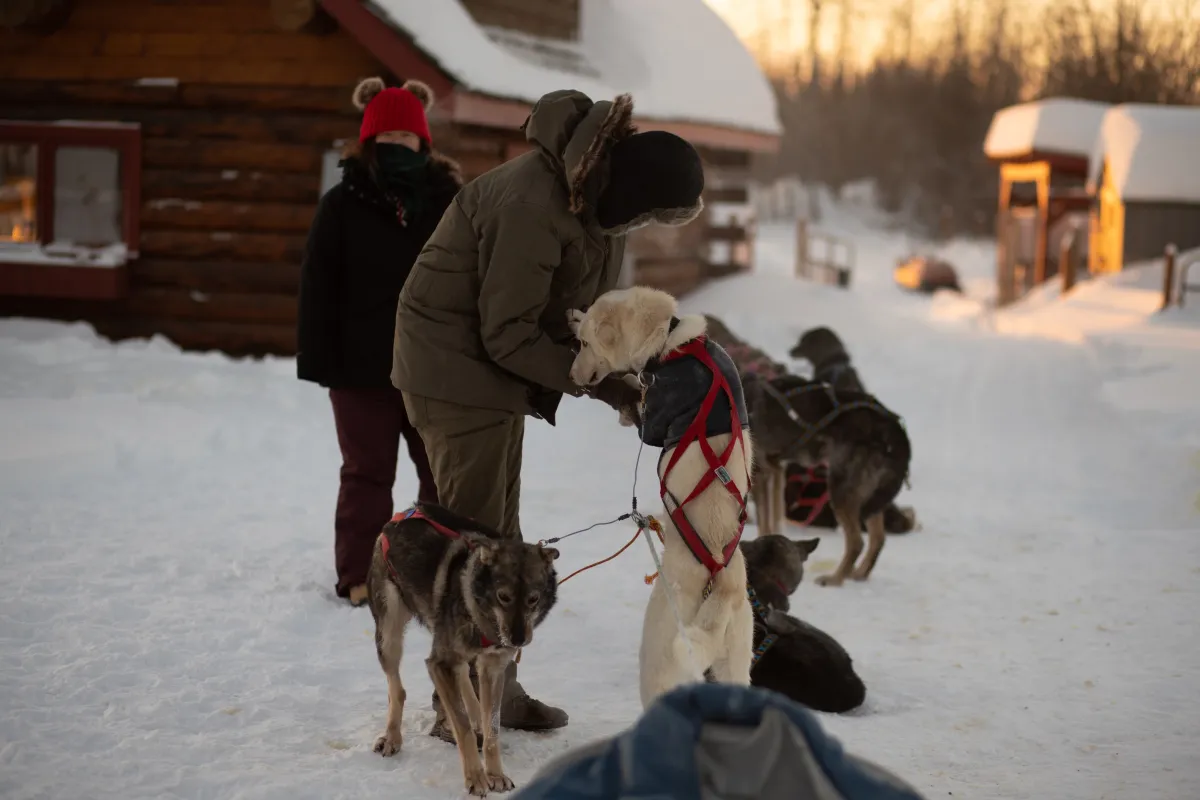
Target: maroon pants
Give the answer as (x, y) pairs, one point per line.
(370, 423)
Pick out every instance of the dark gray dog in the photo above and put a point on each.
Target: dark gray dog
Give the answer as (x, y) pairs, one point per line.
(480, 594)
(804, 663)
(831, 363)
(864, 445)
(822, 348)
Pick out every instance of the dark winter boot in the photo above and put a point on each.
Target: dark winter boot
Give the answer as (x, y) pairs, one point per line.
(521, 712)
(441, 726)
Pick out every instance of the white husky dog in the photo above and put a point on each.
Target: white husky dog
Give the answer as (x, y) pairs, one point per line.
(636, 331)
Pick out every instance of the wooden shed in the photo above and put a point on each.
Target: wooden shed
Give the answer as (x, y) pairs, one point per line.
(160, 160)
(1145, 184)
(1043, 150)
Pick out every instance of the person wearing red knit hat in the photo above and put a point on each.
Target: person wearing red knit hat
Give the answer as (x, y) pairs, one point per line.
(363, 241)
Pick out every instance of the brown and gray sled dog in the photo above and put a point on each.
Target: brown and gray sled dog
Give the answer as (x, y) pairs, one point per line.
(863, 445)
(480, 594)
(637, 331)
(831, 364)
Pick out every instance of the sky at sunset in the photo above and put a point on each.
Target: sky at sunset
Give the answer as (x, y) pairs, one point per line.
(763, 24)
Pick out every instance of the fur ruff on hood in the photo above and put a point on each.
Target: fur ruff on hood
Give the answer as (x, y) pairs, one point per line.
(592, 166)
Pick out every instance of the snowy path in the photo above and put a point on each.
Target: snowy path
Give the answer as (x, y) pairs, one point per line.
(167, 627)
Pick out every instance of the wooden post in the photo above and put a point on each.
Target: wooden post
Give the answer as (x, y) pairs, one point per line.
(1168, 275)
(801, 247)
(1066, 260)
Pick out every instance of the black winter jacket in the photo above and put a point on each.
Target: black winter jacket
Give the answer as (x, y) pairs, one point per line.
(677, 391)
(355, 263)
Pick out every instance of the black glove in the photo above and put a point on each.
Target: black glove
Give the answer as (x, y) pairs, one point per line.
(621, 396)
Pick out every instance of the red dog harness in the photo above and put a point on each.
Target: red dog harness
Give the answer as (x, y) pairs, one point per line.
(416, 513)
(697, 432)
(811, 476)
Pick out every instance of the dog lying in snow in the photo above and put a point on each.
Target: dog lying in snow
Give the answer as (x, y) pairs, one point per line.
(803, 662)
(693, 409)
(480, 594)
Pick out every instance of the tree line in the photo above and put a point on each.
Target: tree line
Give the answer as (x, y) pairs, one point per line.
(913, 119)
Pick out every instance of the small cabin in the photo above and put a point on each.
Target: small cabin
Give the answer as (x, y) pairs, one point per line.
(1145, 183)
(160, 161)
(1043, 150)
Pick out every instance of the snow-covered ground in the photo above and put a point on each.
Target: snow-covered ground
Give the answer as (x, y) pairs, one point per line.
(167, 626)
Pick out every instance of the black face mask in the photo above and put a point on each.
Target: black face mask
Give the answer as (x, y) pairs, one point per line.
(401, 173)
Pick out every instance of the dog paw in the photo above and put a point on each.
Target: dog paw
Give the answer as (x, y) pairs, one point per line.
(830, 580)
(476, 781)
(628, 418)
(499, 782)
(860, 574)
(388, 744)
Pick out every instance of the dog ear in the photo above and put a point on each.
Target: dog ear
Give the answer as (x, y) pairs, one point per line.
(548, 553)
(807, 545)
(607, 334)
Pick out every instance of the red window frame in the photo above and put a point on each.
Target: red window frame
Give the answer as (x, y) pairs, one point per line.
(65, 280)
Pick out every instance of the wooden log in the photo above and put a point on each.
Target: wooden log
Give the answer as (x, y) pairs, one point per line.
(233, 338)
(188, 124)
(38, 16)
(221, 215)
(231, 155)
(317, 72)
(193, 304)
(175, 17)
(293, 15)
(229, 184)
(222, 246)
(18, 93)
(725, 233)
(272, 98)
(475, 164)
(726, 194)
(216, 276)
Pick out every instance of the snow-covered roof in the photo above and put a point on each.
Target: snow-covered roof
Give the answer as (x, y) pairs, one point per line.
(1061, 125)
(677, 58)
(1150, 152)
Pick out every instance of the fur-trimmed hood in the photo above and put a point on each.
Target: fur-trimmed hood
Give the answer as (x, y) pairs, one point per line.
(578, 135)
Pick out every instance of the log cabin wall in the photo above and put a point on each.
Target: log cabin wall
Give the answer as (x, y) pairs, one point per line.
(238, 107)
(555, 19)
(237, 115)
(680, 260)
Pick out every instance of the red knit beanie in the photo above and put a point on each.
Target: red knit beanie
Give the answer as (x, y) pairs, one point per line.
(393, 109)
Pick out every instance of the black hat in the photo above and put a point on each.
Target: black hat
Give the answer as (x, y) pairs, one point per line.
(653, 177)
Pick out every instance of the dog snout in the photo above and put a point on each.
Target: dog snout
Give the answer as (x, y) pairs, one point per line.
(520, 635)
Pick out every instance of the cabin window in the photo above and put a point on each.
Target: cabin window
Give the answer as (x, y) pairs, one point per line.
(18, 192)
(69, 199)
(331, 173)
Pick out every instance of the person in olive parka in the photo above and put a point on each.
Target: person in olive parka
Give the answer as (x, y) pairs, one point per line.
(367, 232)
(481, 327)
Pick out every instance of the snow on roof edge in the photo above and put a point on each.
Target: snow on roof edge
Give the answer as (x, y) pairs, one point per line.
(445, 34)
(1060, 125)
(1151, 151)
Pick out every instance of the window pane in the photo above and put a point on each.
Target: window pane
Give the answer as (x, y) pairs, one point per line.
(18, 192)
(87, 196)
(331, 173)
